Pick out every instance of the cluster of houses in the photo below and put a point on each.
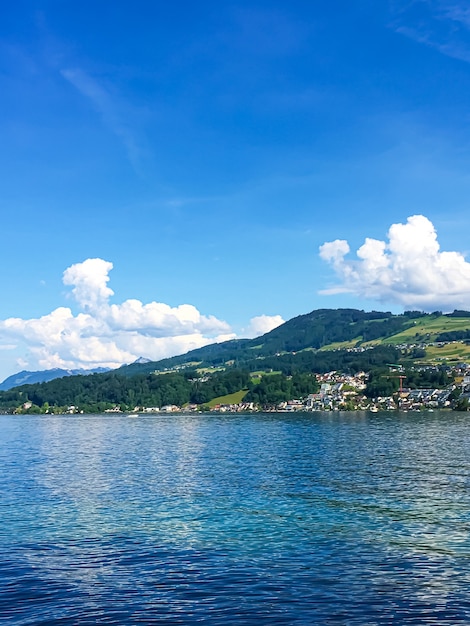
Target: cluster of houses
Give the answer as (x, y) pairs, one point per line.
(339, 392)
(346, 392)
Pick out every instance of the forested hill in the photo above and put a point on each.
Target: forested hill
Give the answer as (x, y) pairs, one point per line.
(329, 338)
(344, 340)
(326, 326)
(314, 330)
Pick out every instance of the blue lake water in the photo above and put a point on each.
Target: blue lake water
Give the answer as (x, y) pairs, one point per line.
(325, 518)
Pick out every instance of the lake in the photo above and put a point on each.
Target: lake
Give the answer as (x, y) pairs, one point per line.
(326, 518)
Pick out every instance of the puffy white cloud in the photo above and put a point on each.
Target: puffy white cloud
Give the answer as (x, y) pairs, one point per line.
(157, 319)
(409, 269)
(262, 324)
(89, 280)
(334, 251)
(105, 334)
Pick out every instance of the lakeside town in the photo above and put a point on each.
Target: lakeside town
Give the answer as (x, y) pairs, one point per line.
(343, 392)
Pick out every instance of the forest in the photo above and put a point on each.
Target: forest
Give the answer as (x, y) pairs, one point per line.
(99, 392)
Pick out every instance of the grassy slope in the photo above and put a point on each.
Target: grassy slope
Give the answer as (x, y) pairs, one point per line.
(423, 330)
(427, 329)
(342, 345)
(449, 353)
(232, 398)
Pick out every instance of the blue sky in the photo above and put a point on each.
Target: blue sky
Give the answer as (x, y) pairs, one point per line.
(207, 152)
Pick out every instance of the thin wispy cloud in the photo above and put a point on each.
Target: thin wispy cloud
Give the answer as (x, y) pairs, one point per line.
(456, 11)
(110, 108)
(407, 269)
(439, 24)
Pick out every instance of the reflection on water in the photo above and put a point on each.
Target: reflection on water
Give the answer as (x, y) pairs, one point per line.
(320, 518)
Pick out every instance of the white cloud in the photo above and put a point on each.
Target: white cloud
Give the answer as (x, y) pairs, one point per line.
(105, 334)
(262, 324)
(409, 269)
(89, 280)
(157, 319)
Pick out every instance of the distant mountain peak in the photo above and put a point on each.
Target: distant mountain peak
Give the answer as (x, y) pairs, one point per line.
(141, 360)
(30, 378)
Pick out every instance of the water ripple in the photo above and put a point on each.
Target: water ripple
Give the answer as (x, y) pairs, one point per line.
(307, 519)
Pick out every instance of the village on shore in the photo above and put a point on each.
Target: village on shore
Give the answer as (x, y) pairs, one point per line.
(342, 392)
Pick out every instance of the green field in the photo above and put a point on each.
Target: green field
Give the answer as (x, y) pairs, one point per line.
(260, 373)
(427, 329)
(341, 345)
(448, 353)
(231, 398)
(423, 330)
(210, 370)
(257, 376)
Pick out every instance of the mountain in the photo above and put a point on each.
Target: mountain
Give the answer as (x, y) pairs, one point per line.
(303, 342)
(317, 330)
(141, 360)
(43, 376)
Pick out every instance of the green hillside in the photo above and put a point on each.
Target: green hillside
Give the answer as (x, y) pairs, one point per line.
(453, 352)
(346, 340)
(430, 329)
(328, 330)
(231, 398)
(319, 329)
